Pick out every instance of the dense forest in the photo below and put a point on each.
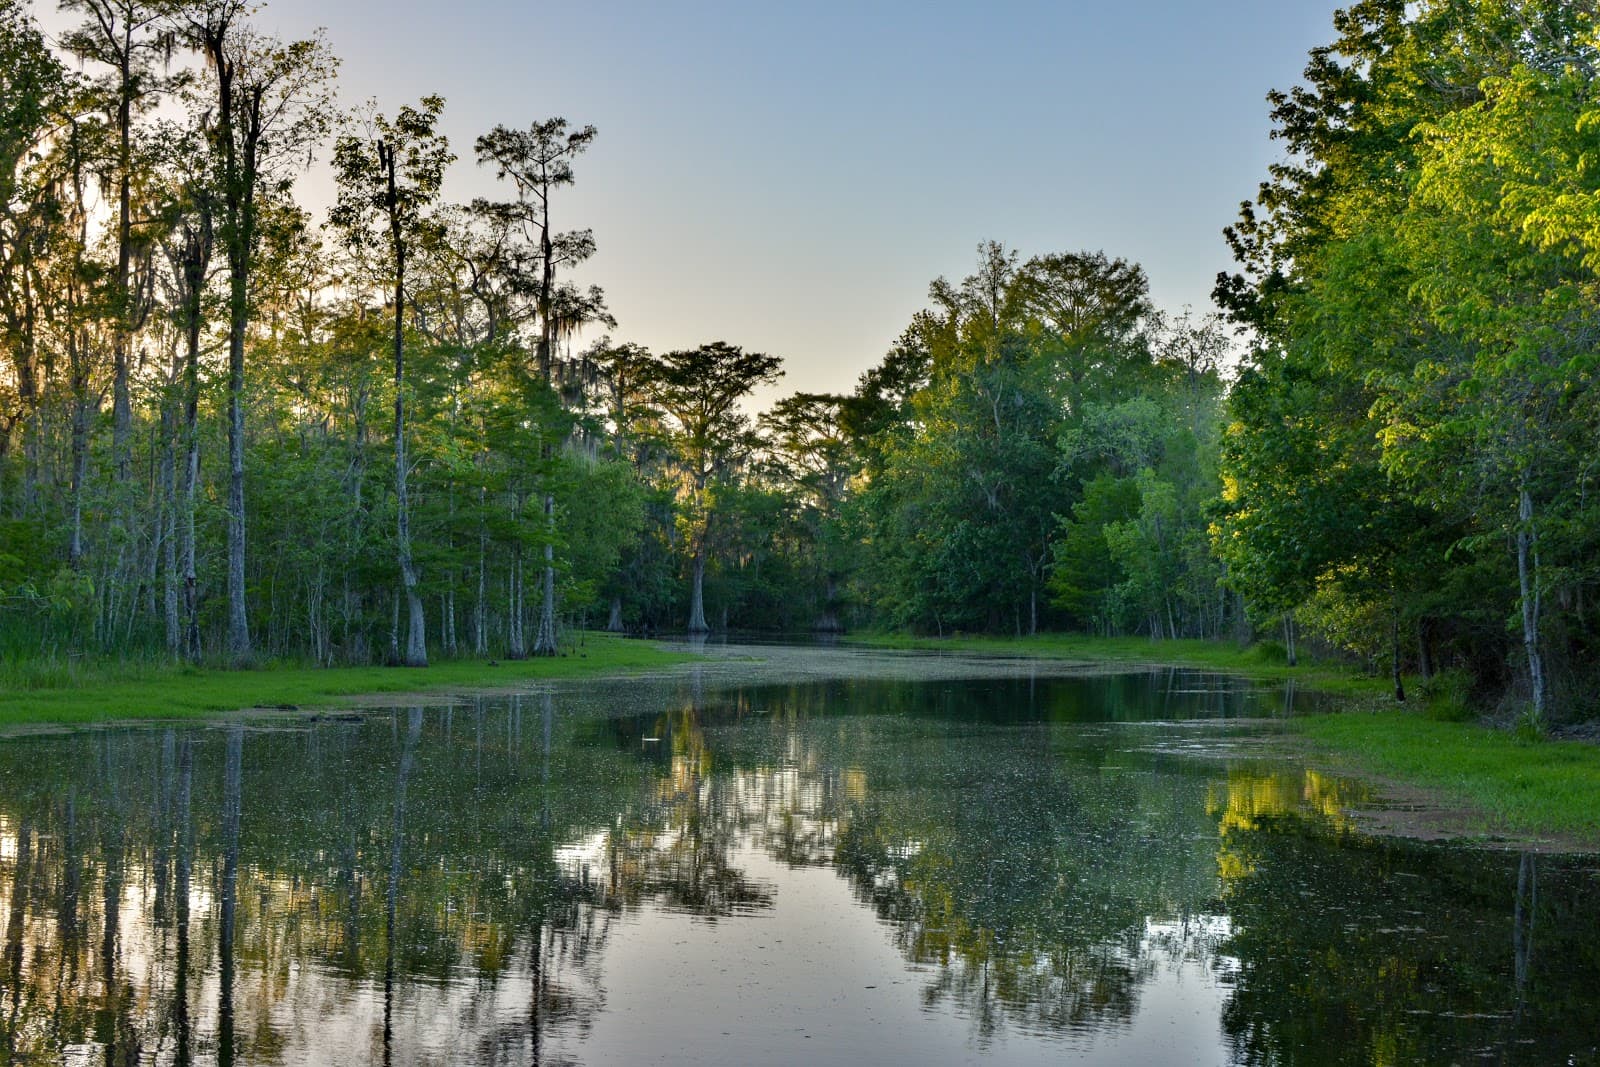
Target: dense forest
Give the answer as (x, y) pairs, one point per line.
(233, 430)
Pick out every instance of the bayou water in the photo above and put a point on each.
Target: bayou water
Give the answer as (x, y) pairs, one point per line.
(823, 857)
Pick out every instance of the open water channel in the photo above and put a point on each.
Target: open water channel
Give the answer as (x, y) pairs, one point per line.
(825, 857)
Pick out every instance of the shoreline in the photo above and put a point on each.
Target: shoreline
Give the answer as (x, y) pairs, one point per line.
(188, 693)
(1479, 782)
(1465, 780)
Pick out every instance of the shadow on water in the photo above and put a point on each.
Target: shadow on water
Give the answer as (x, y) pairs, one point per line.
(474, 882)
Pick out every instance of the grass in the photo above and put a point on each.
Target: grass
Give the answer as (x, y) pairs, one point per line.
(147, 691)
(1500, 783)
(1511, 785)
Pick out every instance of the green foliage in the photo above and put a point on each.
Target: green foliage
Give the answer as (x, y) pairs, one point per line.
(1408, 447)
(1039, 432)
(1086, 571)
(1447, 696)
(1271, 652)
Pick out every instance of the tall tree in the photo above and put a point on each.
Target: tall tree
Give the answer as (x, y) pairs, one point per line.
(189, 246)
(538, 161)
(129, 37)
(33, 98)
(272, 107)
(388, 179)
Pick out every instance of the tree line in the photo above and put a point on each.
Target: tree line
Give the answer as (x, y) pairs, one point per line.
(230, 430)
(1411, 452)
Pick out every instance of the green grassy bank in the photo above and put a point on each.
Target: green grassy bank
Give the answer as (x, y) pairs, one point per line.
(1501, 784)
(1505, 785)
(171, 692)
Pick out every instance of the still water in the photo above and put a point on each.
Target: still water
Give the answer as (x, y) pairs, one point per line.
(828, 858)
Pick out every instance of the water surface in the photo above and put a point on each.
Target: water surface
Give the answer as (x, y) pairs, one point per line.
(826, 858)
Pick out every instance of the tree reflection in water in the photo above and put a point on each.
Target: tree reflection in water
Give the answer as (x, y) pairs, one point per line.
(213, 894)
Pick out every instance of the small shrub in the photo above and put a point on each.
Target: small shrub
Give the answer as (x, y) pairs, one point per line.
(1270, 652)
(1447, 696)
(1530, 724)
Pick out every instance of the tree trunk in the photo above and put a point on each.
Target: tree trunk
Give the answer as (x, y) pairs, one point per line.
(191, 479)
(544, 641)
(80, 461)
(480, 609)
(1528, 582)
(1394, 656)
(121, 404)
(450, 618)
(394, 628)
(417, 621)
(828, 621)
(1288, 639)
(614, 625)
(697, 603)
(238, 619)
(517, 647)
(168, 526)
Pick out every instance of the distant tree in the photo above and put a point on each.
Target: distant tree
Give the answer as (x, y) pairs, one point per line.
(815, 457)
(700, 389)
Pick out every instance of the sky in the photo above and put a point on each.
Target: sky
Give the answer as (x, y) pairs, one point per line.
(790, 177)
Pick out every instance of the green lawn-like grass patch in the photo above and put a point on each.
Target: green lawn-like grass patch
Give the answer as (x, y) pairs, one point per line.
(1507, 785)
(104, 693)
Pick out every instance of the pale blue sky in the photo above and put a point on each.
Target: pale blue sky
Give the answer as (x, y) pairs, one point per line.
(789, 177)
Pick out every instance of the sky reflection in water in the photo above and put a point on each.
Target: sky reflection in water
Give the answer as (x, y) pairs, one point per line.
(683, 871)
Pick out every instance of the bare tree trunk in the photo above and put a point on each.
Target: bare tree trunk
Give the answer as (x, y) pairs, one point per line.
(1424, 651)
(480, 610)
(416, 654)
(828, 621)
(1394, 656)
(697, 602)
(1528, 582)
(191, 479)
(168, 526)
(238, 618)
(544, 641)
(450, 618)
(80, 462)
(417, 620)
(516, 645)
(1288, 639)
(394, 628)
